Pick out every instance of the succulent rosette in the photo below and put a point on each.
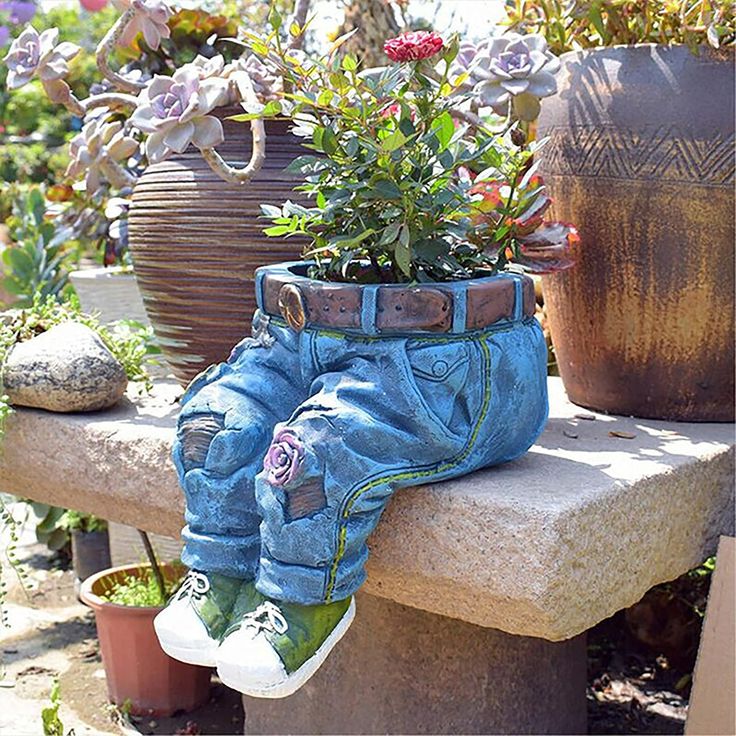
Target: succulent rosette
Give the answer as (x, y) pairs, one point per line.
(512, 69)
(413, 46)
(266, 81)
(542, 246)
(38, 55)
(93, 151)
(285, 458)
(174, 112)
(548, 248)
(151, 19)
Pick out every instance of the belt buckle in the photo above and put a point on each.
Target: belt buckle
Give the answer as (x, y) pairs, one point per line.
(291, 305)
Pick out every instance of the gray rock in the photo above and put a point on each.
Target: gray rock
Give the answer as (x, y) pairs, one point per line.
(66, 369)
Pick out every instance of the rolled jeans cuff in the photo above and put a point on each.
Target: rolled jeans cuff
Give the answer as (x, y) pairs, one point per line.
(234, 556)
(306, 585)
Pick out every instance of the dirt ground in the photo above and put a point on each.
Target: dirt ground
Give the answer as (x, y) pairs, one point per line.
(632, 688)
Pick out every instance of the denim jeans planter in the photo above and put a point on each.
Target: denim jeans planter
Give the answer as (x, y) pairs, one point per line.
(289, 452)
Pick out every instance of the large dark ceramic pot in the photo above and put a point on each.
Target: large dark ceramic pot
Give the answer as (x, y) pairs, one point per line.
(640, 157)
(196, 241)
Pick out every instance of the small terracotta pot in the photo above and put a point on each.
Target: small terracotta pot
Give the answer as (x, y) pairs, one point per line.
(137, 670)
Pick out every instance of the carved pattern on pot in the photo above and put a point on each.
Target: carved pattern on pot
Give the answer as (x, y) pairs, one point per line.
(666, 153)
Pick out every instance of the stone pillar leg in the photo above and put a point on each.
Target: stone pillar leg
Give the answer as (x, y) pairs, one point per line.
(402, 670)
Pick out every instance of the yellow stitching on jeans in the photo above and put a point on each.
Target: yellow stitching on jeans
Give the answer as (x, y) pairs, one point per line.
(415, 475)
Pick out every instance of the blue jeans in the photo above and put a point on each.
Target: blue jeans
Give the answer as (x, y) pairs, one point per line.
(289, 451)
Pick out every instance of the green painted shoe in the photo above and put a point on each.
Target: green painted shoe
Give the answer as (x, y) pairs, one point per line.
(195, 619)
(271, 649)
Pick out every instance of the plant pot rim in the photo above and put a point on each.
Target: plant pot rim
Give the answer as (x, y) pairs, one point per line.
(284, 290)
(298, 271)
(96, 603)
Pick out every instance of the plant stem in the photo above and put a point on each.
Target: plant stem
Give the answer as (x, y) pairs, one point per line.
(154, 563)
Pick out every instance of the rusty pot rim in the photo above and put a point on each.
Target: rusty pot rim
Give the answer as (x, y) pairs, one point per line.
(724, 53)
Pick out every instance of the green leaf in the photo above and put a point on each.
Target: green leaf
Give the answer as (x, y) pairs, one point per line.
(406, 126)
(329, 142)
(19, 261)
(274, 18)
(393, 141)
(390, 233)
(386, 188)
(349, 63)
(444, 129)
(402, 251)
(270, 210)
(276, 230)
(404, 235)
(325, 97)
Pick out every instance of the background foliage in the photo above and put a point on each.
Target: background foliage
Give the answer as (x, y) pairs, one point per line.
(569, 25)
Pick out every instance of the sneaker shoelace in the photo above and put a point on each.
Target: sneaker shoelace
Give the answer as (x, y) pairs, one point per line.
(195, 586)
(267, 617)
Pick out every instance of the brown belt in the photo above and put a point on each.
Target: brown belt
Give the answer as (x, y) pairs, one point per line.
(454, 307)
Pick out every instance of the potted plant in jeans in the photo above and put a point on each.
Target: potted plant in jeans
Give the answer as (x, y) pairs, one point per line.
(640, 153)
(403, 350)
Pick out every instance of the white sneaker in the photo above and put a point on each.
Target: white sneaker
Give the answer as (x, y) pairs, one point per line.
(275, 648)
(190, 627)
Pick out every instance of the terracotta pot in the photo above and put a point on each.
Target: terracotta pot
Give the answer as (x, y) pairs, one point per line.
(640, 157)
(196, 241)
(136, 668)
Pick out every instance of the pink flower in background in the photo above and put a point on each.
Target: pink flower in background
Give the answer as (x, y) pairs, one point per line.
(19, 13)
(4, 35)
(413, 46)
(93, 6)
(284, 459)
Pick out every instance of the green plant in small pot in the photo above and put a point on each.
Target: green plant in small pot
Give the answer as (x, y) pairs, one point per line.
(90, 543)
(125, 601)
(640, 148)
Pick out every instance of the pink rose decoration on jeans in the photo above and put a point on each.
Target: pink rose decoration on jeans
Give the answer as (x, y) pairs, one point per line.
(285, 458)
(413, 46)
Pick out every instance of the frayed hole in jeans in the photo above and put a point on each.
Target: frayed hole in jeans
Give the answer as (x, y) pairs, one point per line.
(305, 500)
(196, 435)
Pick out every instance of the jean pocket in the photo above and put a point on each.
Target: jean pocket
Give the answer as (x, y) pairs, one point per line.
(440, 373)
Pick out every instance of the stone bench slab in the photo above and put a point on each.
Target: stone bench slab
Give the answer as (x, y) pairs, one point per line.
(546, 546)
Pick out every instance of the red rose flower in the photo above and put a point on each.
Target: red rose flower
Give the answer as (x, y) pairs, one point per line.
(413, 46)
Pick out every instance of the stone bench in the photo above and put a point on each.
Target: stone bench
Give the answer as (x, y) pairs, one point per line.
(479, 590)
